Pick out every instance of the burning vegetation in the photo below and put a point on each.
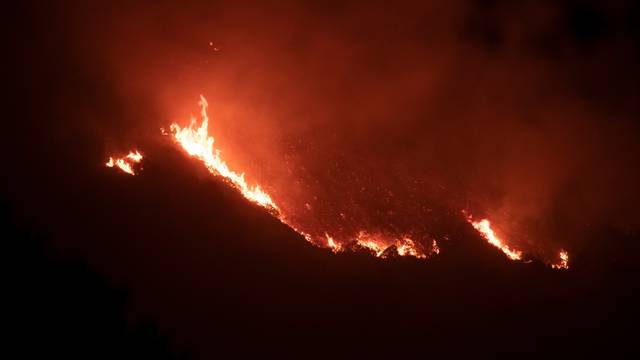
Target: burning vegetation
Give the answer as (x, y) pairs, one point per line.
(484, 228)
(126, 163)
(196, 142)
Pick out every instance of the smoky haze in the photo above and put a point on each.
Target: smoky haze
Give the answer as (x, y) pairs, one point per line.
(357, 117)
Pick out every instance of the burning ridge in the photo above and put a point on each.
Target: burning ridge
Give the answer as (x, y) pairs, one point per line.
(196, 142)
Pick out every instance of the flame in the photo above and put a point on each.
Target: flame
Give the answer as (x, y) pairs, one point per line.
(332, 244)
(195, 140)
(435, 248)
(405, 246)
(408, 248)
(135, 157)
(484, 227)
(125, 163)
(564, 261)
(367, 241)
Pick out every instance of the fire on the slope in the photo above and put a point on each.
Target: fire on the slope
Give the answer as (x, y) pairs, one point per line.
(484, 228)
(125, 163)
(196, 142)
(564, 260)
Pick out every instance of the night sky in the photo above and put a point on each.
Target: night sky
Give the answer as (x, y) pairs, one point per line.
(389, 118)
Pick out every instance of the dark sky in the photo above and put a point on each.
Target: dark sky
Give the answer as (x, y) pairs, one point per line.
(389, 118)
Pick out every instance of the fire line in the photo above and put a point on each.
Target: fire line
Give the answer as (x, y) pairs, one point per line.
(196, 142)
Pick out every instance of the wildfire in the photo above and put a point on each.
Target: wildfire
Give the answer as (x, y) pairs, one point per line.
(125, 163)
(332, 244)
(195, 140)
(484, 227)
(408, 248)
(405, 246)
(435, 248)
(564, 261)
(367, 241)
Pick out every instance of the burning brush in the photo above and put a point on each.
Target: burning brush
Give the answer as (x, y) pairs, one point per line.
(196, 141)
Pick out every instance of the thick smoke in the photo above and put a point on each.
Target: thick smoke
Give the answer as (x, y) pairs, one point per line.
(361, 117)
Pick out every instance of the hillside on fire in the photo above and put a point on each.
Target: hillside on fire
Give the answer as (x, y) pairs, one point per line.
(197, 180)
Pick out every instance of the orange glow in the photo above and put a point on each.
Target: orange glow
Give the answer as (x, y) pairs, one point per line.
(197, 142)
(369, 242)
(564, 261)
(484, 227)
(335, 247)
(405, 246)
(435, 248)
(125, 163)
(134, 156)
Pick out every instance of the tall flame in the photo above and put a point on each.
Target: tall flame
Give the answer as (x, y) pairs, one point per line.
(197, 142)
(125, 163)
